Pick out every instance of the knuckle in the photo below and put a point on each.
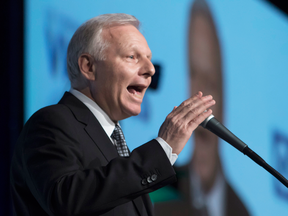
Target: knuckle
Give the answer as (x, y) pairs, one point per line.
(168, 117)
(194, 121)
(203, 98)
(206, 101)
(192, 112)
(183, 129)
(178, 124)
(189, 105)
(173, 120)
(184, 103)
(198, 120)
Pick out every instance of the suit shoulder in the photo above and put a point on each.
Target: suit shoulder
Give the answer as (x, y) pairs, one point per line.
(51, 109)
(51, 123)
(54, 117)
(50, 112)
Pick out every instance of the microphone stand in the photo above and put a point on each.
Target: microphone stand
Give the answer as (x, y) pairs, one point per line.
(213, 125)
(257, 159)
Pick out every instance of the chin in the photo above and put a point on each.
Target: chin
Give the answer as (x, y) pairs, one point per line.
(132, 111)
(135, 113)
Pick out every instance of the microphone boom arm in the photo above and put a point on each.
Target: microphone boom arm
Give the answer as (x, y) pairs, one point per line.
(213, 125)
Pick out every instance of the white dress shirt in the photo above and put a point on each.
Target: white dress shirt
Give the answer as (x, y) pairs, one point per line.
(108, 125)
(214, 201)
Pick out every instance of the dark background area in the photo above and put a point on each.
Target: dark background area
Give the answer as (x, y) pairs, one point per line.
(11, 100)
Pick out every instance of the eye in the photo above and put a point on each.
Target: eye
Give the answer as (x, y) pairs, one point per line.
(131, 56)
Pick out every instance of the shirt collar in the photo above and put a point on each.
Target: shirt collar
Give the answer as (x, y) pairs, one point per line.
(107, 124)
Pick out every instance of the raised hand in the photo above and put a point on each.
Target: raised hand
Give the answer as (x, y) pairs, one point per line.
(184, 119)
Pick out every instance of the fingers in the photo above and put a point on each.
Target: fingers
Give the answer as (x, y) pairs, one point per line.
(199, 113)
(192, 108)
(200, 118)
(184, 119)
(188, 104)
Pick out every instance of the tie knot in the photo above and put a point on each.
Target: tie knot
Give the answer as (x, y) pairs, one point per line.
(120, 143)
(118, 134)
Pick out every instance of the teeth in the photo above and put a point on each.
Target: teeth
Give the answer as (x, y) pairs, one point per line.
(138, 96)
(134, 93)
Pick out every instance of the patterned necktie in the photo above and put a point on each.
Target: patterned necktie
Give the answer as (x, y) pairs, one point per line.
(121, 146)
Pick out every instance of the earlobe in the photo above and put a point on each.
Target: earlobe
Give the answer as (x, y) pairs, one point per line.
(86, 66)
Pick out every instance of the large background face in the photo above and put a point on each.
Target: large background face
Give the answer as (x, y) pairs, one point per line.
(253, 39)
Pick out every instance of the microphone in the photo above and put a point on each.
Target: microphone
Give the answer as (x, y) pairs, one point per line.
(213, 125)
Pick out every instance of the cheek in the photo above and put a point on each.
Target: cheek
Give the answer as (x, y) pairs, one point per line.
(119, 72)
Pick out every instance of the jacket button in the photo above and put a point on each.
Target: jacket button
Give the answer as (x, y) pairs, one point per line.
(149, 180)
(154, 177)
(144, 182)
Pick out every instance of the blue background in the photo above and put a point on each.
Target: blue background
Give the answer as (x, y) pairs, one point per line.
(254, 44)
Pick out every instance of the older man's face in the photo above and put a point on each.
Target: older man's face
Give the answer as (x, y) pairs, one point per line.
(124, 76)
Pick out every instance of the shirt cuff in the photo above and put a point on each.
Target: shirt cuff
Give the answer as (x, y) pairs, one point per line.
(168, 150)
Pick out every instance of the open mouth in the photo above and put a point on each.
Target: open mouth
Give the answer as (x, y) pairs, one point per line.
(136, 90)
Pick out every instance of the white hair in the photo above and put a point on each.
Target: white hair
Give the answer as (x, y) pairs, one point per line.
(88, 39)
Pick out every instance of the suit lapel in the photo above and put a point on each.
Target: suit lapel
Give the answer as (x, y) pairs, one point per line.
(92, 128)
(100, 138)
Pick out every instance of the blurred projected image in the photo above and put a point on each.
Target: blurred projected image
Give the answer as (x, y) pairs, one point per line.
(202, 188)
(280, 162)
(58, 31)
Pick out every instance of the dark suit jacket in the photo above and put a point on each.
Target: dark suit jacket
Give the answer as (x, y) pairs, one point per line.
(65, 164)
(182, 206)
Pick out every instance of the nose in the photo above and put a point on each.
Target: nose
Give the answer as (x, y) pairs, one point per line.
(147, 68)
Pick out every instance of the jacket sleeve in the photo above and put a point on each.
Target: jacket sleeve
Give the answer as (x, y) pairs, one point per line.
(64, 184)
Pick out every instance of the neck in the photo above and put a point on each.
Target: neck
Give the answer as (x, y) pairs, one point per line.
(87, 92)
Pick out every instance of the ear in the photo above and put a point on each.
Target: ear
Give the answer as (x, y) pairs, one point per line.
(86, 66)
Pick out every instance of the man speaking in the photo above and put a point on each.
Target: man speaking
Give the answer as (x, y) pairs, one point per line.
(72, 158)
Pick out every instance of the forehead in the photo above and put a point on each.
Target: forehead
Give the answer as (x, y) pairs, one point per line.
(125, 35)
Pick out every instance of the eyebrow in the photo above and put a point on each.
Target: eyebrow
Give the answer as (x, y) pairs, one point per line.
(135, 47)
(150, 55)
